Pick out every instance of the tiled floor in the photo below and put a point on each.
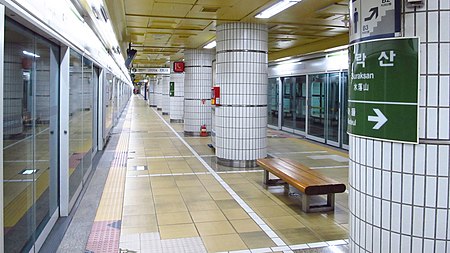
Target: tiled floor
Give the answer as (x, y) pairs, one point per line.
(177, 199)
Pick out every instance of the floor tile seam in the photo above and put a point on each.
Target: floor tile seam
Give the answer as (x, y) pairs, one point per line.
(273, 236)
(192, 173)
(304, 246)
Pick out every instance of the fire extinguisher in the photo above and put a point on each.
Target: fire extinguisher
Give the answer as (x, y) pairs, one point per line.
(203, 132)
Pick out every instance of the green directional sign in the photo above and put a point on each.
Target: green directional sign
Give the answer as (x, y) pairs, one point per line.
(383, 89)
(172, 89)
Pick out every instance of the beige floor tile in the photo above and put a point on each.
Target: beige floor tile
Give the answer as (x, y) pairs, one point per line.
(138, 230)
(257, 202)
(181, 170)
(222, 195)
(219, 243)
(166, 191)
(173, 218)
(138, 200)
(298, 236)
(228, 204)
(177, 231)
(204, 196)
(161, 199)
(139, 221)
(214, 228)
(257, 240)
(330, 232)
(271, 211)
(158, 184)
(202, 205)
(183, 183)
(283, 222)
(196, 189)
(246, 225)
(235, 214)
(170, 208)
(138, 209)
(159, 171)
(208, 215)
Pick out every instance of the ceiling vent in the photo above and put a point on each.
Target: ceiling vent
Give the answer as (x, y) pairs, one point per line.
(210, 9)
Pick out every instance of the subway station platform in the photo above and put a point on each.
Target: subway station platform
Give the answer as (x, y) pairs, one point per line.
(165, 193)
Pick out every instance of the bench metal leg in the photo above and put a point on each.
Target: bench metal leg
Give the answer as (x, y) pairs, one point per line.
(305, 203)
(266, 177)
(330, 200)
(307, 208)
(271, 182)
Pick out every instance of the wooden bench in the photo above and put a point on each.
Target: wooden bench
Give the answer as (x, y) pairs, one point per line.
(307, 181)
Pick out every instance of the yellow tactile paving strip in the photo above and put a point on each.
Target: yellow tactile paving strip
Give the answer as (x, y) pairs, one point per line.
(105, 232)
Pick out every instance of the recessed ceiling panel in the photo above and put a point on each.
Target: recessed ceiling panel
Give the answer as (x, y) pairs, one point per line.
(170, 10)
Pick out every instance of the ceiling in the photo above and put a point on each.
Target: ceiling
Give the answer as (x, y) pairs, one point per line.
(160, 30)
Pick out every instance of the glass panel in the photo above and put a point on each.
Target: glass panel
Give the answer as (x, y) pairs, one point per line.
(95, 109)
(300, 103)
(316, 118)
(288, 101)
(344, 86)
(75, 123)
(30, 120)
(333, 107)
(273, 102)
(88, 98)
(108, 101)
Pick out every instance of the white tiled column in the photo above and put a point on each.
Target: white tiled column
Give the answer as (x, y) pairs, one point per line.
(400, 193)
(241, 120)
(165, 101)
(158, 93)
(177, 101)
(151, 91)
(197, 88)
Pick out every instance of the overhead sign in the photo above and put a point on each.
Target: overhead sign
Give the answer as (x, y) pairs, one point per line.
(384, 89)
(374, 19)
(154, 71)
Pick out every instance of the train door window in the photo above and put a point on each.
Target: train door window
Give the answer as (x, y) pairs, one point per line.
(273, 102)
(288, 102)
(75, 125)
(30, 136)
(333, 110)
(344, 106)
(87, 111)
(316, 111)
(95, 128)
(300, 103)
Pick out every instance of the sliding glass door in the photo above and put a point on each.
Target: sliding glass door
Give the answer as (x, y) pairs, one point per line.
(30, 136)
(317, 106)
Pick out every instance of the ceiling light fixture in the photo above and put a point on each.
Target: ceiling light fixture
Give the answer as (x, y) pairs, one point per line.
(277, 8)
(210, 45)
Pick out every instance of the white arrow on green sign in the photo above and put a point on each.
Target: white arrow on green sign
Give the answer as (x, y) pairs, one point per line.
(380, 119)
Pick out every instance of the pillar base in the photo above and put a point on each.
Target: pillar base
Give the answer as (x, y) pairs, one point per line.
(165, 113)
(188, 133)
(237, 163)
(152, 105)
(159, 109)
(176, 121)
